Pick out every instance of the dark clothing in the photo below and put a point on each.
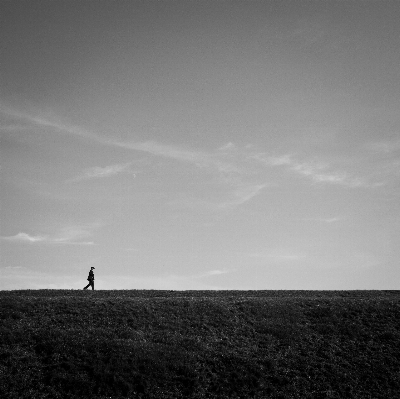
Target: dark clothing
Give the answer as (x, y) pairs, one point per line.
(91, 280)
(91, 283)
(91, 275)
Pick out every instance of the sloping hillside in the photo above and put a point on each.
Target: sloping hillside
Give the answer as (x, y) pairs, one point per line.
(200, 344)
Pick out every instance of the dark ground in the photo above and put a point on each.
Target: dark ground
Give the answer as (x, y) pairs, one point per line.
(199, 344)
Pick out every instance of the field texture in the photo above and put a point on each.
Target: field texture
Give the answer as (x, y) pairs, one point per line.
(200, 344)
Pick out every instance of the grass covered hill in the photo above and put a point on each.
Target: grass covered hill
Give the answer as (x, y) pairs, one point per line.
(199, 344)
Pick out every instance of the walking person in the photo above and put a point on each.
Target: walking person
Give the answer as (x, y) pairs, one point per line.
(90, 279)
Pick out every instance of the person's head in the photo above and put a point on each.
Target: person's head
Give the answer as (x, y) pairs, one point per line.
(92, 268)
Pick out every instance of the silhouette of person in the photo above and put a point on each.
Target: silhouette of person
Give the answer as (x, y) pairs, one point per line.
(90, 279)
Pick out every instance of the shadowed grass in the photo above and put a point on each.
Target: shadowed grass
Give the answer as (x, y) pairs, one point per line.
(199, 344)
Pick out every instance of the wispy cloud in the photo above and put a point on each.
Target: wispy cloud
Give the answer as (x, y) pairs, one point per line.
(238, 170)
(69, 235)
(320, 174)
(75, 235)
(210, 273)
(54, 124)
(198, 158)
(317, 172)
(100, 172)
(376, 167)
(228, 165)
(384, 146)
(384, 161)
(24, 237)
(242, 194)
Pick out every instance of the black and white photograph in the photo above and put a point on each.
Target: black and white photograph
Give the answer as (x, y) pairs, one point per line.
(200, 199)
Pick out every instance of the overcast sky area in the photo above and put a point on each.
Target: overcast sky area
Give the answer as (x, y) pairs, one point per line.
(200, 145)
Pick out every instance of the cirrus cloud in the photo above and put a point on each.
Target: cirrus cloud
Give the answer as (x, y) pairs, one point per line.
(100, 172)
(68, 235)
(24, 237)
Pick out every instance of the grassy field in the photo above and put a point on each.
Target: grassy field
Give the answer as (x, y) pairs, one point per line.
(200, 344)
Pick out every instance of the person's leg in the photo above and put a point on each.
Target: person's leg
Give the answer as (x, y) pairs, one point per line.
(86, 286)
(92, 284)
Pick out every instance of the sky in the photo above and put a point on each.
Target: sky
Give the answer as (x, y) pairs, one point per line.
(200, 145)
